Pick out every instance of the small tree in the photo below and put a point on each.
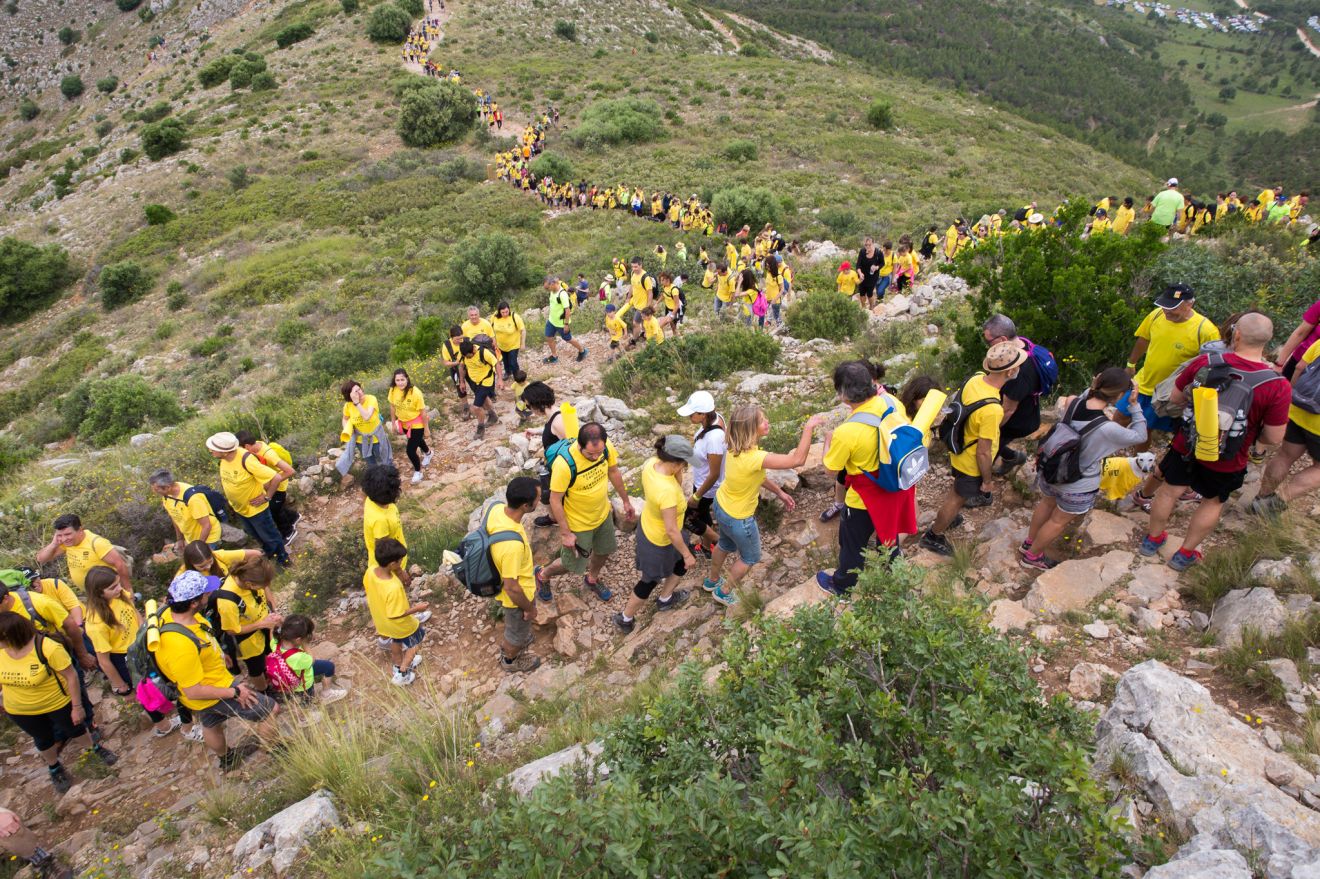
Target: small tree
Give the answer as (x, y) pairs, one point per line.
(68, 36)
(423, 340)
(552, 165)
(216, 71)
(240, 76)
(28, 109)
(825, 315)
(119, 406)
(566, 30)
(622, 120)
(30, 276)
(1227, 93)
(121, 283)
(164, 138)
(294, 33)
(158, 214)
(388, 23)
(107, 84)
(880, 115)
(155, 112)
(71, 86)
(740, 206)
(414, 8)
(486, 268)
(263, 81)
(349, 6)
(435, 112)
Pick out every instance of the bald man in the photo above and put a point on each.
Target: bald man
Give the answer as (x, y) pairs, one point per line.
(1216, 480)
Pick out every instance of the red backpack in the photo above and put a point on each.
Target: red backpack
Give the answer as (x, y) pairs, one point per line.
(281, 678)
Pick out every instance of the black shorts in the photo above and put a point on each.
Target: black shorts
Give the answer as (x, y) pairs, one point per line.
(1193, 474)
(256, 665)
(700, 519)
(49, 729)
(223, 710)
(1297, 435)
(481, 393)
(965, 485)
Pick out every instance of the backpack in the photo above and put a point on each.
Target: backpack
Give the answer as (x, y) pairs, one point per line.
(45, 661)
(903, 459)
(760, 305)
(1237, 389)
(282, 678)
(1059, 460)
(1306, 388)
(481, 340)
(227, 640)
(474, 568)
(952, 431)
(219, 505)
(1161, 397)
(563, 450)
(142, 659)
(1046, 366)
(25, 596)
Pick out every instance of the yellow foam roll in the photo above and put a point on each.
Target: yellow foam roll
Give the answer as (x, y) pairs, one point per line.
(929, 411)
(569, 411)
(153, 624)
(1205, 409)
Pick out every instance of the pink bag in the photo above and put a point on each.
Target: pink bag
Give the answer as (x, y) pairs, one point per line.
(760, 305)
(151, 698)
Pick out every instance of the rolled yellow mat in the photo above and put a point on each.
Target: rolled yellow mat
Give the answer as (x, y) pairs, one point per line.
(153, 624)
(1205, 409)
(569, 411)
(929, 411)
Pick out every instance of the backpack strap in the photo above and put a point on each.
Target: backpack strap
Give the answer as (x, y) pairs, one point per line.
(26, 597)
(181, 629)
(231, 596)
(38, 647)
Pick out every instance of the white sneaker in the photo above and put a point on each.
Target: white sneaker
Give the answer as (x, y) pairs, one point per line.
(402, 680)
(426, 460)
(417, 477)
(416, 661)
(328, 696)
(175, 723)
(194, 734)
(423, 616)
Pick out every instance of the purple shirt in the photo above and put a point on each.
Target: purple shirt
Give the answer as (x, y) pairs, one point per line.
(1312, 317)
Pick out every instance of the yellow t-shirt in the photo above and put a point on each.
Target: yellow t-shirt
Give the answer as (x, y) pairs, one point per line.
(670, 294)
(272, 455)
(518, 402)
(983, 424)
(243, 479)
(58, 589)
(1118, 477)
(480, 367)
(378, 522)
(508, 331)
(653, 331)
(615, 327)
(388, 603)
(512, 558)
(183, 663)
(364, 426)
(853, 448)
(847, 282)
(188, 517)
(587, 502)
(50, 612)
(407, 407)
(643, 289)
(1171, 345)
(662, 492)
(1123, 218)
(724, 285)
(1308, 421)
(254, 610)
(224, 560)
(740, 491)
(28, 686)
(106, 638)
(88, 553)
(481, 328)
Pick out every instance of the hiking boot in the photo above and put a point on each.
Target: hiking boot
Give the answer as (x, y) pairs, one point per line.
(936, 543)
(550, 359)
(543, 591)
(1150, 544)
(492, 418)
(602, 591)
(481, 429)
(675, 599)
(1012, 457)
(108, 757)
(1268, 505)
(1039, 562)
(983, 499)
(623, 624)
(47, 866)
(231, 760)
(833, 511)
(522, 662)
(827, 585)
(543, 521)
(1184, 559)
(59, 778)
(958, 521)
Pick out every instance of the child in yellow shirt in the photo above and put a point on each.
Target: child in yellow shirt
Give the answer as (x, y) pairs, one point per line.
(616, 328)
(651, 324)
(848, 279)
(519, 385)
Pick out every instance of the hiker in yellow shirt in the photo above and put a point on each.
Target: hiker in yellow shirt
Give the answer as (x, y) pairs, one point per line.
(671, 297)
(513, 561)
(476, 325)
(408, 413)
(642, 293)
(83, 550)
(616, 329)
(189, 510)
(1100, 225)
(249, 485)
(651, 326)
(1123, 217)
(277, 458)
(847, 280)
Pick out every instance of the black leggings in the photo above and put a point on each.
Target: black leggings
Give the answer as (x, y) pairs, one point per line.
(417, 442)
(50, 729)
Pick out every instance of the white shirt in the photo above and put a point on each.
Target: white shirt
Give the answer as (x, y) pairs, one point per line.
(712, 442)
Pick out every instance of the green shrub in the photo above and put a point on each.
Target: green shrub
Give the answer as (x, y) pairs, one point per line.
(107, 84)
(740, 206)
(435, 112)
(28, 109)
(486, 268)
(841, 222)
(31, 277)
(414, 8)
(740, 151)
(553, 165)
(122, 283)
(566, 30)
(127, 5)
(825, 315)
(216, 71)
(880, 115)
(158, 214)
(14, 454)
(388, 23)
(422, 340)
(263, 81)
(294, 33)
(68, 36)
(683, 363)
(622, 120)
(108, 410)
(349, 6)
(155, 112)
(104, 127)
(291, 331)
(71, 86)
(838, 741)
(354, 355)
(163, 138)
(238, 177)
(240, 76)
(1039, 279)
(175, 296)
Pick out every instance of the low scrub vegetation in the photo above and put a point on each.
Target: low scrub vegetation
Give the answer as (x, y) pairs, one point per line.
(751, 206)
(622, 120)
(683, 363)
(122, 283)
(486, 268)
(825, 315)
(434, 112)
(107, 410)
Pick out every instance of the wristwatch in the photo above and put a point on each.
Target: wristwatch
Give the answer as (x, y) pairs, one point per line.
(236, 693)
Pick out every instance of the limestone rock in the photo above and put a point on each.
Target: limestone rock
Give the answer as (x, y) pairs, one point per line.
(281, 838)
(1075, 583)
(1097, 630)
(803, 595)
(1105, 529)
(527, 777)
(1151, 582)
(1268, 572)
(1009, 616)
(1213, 864)
(762, 382)
(1256, 608)
(138, 440)
(1086, 680)
(788, 480)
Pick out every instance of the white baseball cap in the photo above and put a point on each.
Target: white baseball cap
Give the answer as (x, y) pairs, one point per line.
(1173, 181)
(700, 403)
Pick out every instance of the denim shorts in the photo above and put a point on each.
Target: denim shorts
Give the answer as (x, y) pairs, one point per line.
(223, 710)
(562, 332)
(739, 535)
(1074, 503)
(412, 640)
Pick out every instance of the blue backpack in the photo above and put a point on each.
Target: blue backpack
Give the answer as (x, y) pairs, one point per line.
(1046, 366)
(563, 450)
(903, 459)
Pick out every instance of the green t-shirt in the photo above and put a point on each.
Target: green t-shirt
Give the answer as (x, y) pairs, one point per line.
(558, 306)
(300, 663)
(1165, 206)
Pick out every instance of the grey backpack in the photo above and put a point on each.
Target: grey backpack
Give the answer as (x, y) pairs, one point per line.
(475, 569)
(1237, 389)
(1306, 388)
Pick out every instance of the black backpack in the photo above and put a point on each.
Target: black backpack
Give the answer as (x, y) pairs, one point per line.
(45, 661)
(1306, 387)
(227, 640)
(1059, 461)
(952, 431)
(219, 505)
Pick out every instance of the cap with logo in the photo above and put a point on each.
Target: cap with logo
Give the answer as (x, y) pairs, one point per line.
(1175, 295)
